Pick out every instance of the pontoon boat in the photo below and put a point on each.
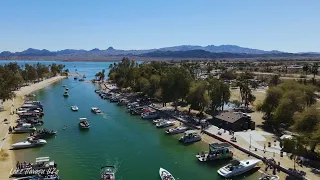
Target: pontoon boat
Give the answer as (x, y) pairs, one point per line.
(190, 137)
(216, 151)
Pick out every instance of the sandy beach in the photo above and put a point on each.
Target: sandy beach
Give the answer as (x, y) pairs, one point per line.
(7, 158)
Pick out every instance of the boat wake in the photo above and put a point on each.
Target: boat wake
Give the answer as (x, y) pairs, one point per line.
(116, 165)
(104, 115)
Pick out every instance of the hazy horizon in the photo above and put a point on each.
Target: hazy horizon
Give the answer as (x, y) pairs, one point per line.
(288, 25)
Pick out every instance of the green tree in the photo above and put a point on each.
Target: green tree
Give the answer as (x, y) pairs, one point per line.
(246, 94)
(274, 80)
(219, 93)
(198, 97)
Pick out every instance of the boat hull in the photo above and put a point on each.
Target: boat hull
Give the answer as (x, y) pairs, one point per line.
(25, 146)
(164, 173)
(229, 174)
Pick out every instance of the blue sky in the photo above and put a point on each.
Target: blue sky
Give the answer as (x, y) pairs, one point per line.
(287, 25)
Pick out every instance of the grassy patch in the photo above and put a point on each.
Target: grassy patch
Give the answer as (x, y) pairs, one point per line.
(3, 156)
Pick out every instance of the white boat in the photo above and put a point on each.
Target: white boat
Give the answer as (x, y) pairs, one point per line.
(29, 143)
(95, 110)
(156, 121)
(108, 173)
(237, 167)
(150, 115)
(164, 124)
(24, 128)
(190, 137)
(177, 130)
(165, 175)
(269, 177)
(74, 108)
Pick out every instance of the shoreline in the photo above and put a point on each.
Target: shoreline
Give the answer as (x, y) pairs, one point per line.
(243, 152)
(6, 139)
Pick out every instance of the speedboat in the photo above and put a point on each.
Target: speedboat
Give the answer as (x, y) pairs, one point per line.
(81, 79)
(95, 110)
(64, 85)
(66, 94)
(238, 167)
(83, 123)
(150, 115)
(29, 143)
(164, 124)
(43, 134)
(165, 175)
(75, 78)
(216, 151)
(269, 177)
(190, 137)
(108, 173)
(97, 91)
(156, 121)
(74, 108)
(177, 130)
(67, 89)
(24, 128)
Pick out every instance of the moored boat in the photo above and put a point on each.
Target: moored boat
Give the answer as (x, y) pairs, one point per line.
(158, 121)
(216, 151)
(29, 143)
(30, 121)
(107, 173)
(150, 115)
(190, 136)
(165, 175)
(165, 124)
(43, 134)
(24, 128)
(83, 123)
(177, 130)
(236, 167)
(123, 102)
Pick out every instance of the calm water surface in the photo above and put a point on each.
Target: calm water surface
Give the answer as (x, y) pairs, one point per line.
(133, 145)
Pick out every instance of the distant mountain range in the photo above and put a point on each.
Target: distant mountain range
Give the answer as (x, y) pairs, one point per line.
(184, 51)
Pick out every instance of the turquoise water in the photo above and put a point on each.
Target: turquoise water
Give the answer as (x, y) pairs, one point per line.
(133, 145)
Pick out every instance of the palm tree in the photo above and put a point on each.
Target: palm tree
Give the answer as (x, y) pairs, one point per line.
(314, 70)
(306, 68)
